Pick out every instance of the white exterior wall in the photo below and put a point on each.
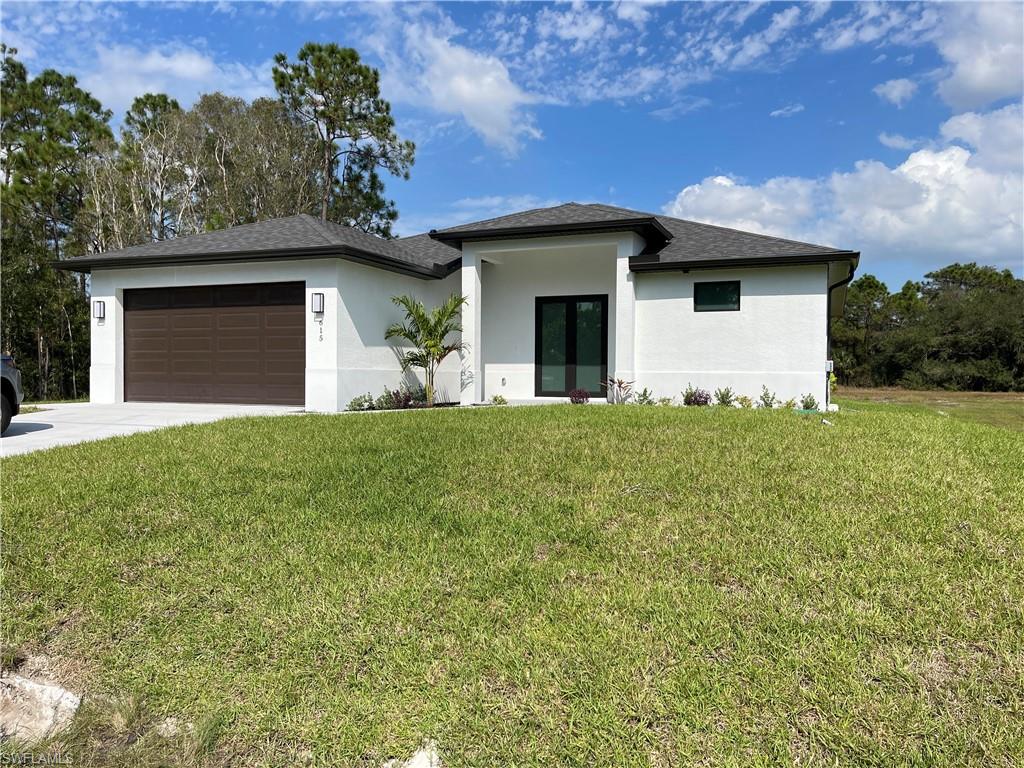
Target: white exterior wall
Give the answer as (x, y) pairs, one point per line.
(346, 353)
(368, 362)
(777, 338)
(512, 274)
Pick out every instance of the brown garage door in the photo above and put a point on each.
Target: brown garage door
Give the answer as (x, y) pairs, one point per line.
(216, 344)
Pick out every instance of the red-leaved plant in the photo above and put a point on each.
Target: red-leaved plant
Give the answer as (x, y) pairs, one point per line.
(579, 396)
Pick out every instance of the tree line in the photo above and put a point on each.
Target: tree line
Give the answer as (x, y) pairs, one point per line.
(961, 328)
(72, 186)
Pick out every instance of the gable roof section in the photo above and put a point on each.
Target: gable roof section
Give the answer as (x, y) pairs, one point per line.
(706, 245)
(292, 237)
(679, 241)
(568, 218)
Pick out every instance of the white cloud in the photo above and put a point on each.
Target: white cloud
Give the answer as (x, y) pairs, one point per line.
(996, 137)
(681, 107)
(425, 67)
(119, 73)
(879, 58)
(477, 86)
(777, 207)
(817, 8)
(634, 11)
(469, 209)
(757, 45)
(41, 28)
(580, 25)
(877, 23)
(897, 92)
(984, 44)
(787, 111)
(896, 141)
(941, 203)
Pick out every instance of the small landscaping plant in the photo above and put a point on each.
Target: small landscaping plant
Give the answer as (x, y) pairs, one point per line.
(696, 396)
(725, 396)
(791, 403)
(808, 402)
(430, 332)
(498, 400)
(767, 399)
(743, 401)
(400, 399)
(579, 397)
(645, 397)
(665, 401)
(620, 391)
(361, 403)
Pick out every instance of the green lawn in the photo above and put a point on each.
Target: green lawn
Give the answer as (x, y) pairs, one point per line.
(1001, 409)
(564, 585)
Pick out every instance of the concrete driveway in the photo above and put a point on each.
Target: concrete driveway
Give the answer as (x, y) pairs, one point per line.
(69, 423)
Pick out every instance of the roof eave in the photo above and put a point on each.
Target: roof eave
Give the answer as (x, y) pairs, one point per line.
(651, 263)
(647, 226)
(89, 263)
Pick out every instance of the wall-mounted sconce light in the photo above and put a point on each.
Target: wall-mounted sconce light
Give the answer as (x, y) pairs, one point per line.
(318, 303)
(99, 309)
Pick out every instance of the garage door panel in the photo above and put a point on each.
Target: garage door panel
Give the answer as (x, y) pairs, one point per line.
(228, 344)
(234, 319)
(233, 344)
(185, 321)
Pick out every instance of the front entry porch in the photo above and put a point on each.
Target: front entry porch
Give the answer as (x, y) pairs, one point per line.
(547, 315)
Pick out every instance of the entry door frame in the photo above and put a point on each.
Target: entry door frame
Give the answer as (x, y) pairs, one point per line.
(570, 341)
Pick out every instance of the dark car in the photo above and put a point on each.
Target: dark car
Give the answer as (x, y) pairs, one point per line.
(10, 390)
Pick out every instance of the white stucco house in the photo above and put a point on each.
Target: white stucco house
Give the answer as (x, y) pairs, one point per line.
(294, 310)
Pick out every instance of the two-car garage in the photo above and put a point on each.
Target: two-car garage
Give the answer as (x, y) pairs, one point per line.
(216, 344)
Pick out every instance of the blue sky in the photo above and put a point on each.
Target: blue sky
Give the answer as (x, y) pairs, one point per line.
(894, 129)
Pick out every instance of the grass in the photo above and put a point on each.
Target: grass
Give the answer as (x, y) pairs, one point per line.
(1000, 409)
(563, 585)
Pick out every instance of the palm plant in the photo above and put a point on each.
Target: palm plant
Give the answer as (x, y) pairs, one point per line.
(428, 332)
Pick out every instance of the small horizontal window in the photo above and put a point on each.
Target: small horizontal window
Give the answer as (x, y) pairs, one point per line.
(716, 297)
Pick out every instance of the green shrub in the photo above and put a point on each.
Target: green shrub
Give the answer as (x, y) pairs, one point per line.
(362, 403)
(401, 398)
(808, 402)
(743, 401)
(767, 399)
(725, 396)
(498, 400)
(696, 396)
(645, 397)
(666, 401)
(791, 403)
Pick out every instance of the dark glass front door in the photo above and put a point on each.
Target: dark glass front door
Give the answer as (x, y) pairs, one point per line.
(572, 345)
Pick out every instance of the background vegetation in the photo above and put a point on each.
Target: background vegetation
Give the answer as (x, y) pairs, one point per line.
(71, 187)
(961, 328)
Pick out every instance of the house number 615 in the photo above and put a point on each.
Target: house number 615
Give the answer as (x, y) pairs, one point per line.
(320, 322)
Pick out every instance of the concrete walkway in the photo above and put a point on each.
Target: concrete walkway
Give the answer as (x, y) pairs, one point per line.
(69, 423)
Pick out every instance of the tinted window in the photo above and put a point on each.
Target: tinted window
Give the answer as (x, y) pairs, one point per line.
(716, 297)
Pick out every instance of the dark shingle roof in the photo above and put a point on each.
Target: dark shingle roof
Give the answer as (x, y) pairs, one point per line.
(671, 242)
(686, 241)
(558, 215)
(290, 237)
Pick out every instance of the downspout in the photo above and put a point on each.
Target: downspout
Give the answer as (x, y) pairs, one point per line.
(828, 323)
